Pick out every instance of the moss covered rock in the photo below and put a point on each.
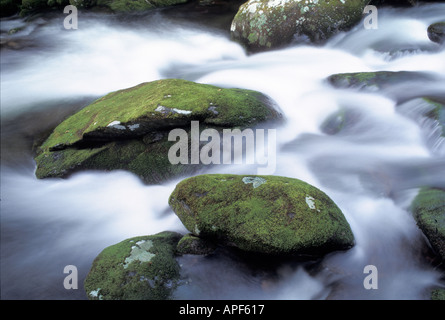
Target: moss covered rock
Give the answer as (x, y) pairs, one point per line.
(376, 80)
(261, 214)
(140, 268)
(436, 32)
(128, 129)
(266, 24)
(429, 212)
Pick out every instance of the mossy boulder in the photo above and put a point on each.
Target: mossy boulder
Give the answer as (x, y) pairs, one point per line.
(261, 214)
(436, 32)
(128, 129)
(428, 209)
(267, 24)
(140, 268)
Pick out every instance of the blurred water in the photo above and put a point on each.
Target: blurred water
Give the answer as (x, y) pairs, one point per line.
(371, 169)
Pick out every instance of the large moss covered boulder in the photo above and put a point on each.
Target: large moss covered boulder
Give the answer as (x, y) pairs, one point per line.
(429, 212)
(140, 268)
(128, 129)
(266, 24)
(261, 214)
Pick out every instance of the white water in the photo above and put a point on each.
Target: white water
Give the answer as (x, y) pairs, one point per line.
(371, 170)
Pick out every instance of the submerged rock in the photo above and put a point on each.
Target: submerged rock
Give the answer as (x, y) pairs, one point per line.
(140, 268)
(266, 24)
(261, 214)
(376, 80)
(128, 129)
(436, 32)
(429, 212)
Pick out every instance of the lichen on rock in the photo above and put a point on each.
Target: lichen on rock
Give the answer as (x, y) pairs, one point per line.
(139, 268)
(267, 24)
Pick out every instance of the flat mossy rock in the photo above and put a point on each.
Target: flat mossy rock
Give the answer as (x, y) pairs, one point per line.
(436, 32)
(261, 214)
(429, 212)
(267, 24)
(128, 129)
(140, 268)
(376, 80)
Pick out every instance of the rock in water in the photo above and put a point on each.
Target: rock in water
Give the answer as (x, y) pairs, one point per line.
(261, 214)
(429, 212)
(267, 24)
(128, 129)
(140, 268)
(436, 32)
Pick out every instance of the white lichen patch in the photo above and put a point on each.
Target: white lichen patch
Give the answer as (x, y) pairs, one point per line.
(279, 3)
(133, 127)
(116, 125)
(140, 252)
(252, 7)
(164, 110)
(196, 230)
(310, 201)
(181, 111)
(233, 26)
(95, 294)
(256, 182)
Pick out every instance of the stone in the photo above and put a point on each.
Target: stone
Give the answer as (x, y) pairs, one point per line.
(139, 268)
(277, 215)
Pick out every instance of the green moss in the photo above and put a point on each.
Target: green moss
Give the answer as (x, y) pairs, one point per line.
(429, 212)
(438, 294)
(272, 218)
(114, 277)
(138, 105)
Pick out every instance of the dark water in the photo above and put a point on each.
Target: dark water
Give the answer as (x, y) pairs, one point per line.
(372, 169)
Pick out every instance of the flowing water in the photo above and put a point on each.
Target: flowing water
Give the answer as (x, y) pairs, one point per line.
(372, 169)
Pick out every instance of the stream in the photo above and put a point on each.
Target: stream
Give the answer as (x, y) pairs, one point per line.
(372, 169)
